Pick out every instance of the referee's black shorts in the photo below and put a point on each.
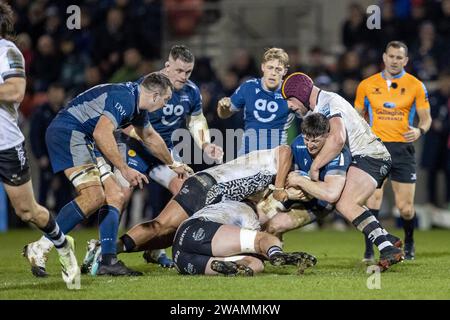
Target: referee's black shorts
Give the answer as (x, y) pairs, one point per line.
(403, 161)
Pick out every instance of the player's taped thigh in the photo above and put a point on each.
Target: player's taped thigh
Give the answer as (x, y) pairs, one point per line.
(247, 238)
(85, 176)
(104, 169)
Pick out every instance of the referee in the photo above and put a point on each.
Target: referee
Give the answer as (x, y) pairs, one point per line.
(390, 100)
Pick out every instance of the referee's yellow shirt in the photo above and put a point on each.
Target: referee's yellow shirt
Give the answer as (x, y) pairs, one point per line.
(391, 104)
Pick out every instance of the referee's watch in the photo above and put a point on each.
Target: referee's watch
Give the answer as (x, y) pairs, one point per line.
(422, 131)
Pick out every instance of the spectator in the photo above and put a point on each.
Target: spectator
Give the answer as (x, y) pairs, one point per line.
(183, 16)
(244, 65)
(130, 69)
(57, 184)
(443, 23)
(72, 69)
(426, 52)
(354, 30)
(46, 64)
(23, 42)
(110, 41)
(434, 153)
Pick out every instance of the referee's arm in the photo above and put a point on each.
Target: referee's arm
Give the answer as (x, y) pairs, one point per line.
(423, 112)
(424, 125)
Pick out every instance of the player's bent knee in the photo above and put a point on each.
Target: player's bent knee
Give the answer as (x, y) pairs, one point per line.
(406, 210)
(25, 215)
(91, 199)
(116, 198)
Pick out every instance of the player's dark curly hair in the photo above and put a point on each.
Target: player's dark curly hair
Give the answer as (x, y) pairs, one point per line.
(315, 125)
(6, 21)
(181, 52)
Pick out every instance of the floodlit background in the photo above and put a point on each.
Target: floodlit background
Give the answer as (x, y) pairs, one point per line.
(121, 40)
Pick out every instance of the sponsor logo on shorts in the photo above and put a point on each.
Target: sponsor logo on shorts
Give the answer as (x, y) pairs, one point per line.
(21, 155)
(185, 190)
(190, 268)
(199, 235)
(413, 177)
(201, 180)
(132, 153)
(15, 179)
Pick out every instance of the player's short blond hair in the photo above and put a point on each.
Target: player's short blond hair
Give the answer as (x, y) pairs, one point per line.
(276, 54)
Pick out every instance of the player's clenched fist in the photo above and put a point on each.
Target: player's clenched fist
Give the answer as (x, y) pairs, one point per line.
(225, 103)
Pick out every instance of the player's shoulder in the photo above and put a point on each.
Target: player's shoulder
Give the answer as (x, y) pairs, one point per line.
(130, 88)
(190, 86)
(370, 80)
(116, 91)
(251, 83)
(7, 46)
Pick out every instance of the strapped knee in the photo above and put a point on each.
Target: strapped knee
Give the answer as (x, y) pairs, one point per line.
(88, 175)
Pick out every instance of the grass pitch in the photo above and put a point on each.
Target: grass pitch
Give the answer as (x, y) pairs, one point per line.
(337, 275)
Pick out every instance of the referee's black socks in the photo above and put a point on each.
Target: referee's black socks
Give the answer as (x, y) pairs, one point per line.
(408, 227)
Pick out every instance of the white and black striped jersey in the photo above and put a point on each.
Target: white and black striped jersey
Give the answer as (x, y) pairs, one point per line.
(244, 176)
(12, 64)
(230, 212)
(362, 141)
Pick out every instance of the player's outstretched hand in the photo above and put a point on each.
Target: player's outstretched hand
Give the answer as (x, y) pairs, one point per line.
(134, 177)
(214, 152)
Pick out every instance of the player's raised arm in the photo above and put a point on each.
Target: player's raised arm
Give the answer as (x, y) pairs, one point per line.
(224, 108)
(198, 127)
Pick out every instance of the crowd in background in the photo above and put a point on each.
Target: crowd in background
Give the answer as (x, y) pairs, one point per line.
(121, 40)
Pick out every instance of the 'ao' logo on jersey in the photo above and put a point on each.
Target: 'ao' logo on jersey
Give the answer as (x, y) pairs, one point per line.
(169, 110)
(262, 105)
